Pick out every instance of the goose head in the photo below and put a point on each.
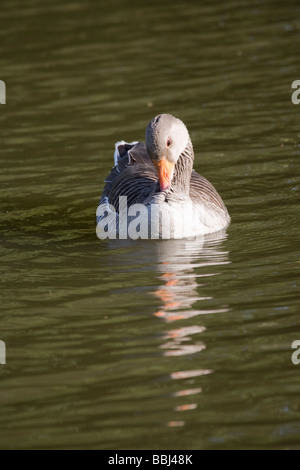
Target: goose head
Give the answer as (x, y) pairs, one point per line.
(166, 138)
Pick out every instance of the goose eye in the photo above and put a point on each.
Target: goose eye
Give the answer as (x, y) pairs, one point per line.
(168, 143)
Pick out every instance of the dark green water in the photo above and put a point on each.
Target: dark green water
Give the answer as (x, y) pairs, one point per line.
(153, 345)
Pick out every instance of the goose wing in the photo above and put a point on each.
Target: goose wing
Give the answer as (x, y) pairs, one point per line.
(203, 192)
(133, 175)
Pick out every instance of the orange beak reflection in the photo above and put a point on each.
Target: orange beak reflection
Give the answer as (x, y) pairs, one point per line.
(165, 171)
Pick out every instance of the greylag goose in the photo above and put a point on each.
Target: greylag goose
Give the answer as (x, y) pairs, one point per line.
(171, 200)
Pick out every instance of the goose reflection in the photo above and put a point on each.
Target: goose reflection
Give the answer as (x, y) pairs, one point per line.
(181, 266)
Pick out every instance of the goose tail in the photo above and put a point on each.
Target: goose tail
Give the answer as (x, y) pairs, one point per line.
(121, 149)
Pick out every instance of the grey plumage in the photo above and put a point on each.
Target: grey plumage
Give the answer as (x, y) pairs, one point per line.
(135, 175)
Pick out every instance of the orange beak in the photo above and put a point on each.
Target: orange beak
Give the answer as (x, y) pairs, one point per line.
(165, 171)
